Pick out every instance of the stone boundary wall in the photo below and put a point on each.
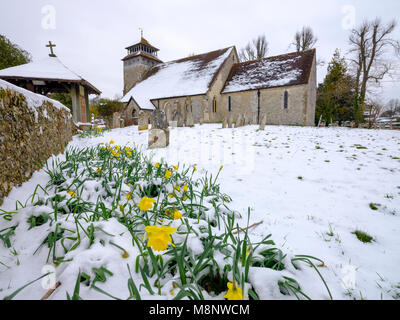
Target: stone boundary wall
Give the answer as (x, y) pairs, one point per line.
(29, 134)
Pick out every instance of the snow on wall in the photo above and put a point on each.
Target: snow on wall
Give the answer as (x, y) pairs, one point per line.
(177, 79)
(33, 100)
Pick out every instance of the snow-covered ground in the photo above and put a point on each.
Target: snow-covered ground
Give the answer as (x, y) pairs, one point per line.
(311, 187)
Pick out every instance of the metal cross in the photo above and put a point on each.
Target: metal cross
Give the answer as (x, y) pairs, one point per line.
(50, 45)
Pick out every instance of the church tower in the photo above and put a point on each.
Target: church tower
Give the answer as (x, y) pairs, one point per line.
(141, 57)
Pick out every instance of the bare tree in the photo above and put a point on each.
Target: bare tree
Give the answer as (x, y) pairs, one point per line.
(304, 39)
(373, 109)
(392, 108)
(255, 50)
(369, 43)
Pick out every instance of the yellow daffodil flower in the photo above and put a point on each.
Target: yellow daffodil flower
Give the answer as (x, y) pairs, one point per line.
(157, 165)
(159, 237)
(178, 188)
(71, 193)
(112, 142)
(234, 293)
(194, 169)
(146, 204)
(168, 174)
(176, 168)
(129, 154)
(128, 196)
(177, 215)
(98, 171)
(185, 187)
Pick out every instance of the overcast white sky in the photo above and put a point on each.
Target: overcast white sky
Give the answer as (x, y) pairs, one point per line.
(91, 35)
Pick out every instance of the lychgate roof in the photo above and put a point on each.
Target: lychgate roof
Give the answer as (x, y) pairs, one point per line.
(185, 77)
(50, 69)
(284, 70)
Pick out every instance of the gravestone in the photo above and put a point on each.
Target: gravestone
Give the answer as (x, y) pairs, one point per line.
(244, 120)
(159, 133)
(158, 138)
(116, 123)
(143, 121)
(206, 117)
(238, 122)
(224, 124)
(230, 121)
(181, 120)
(263, 122)
(189, 120)
(159, 120)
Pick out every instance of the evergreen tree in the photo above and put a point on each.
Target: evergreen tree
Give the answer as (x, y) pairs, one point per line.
(336, 94)
(64, 98)
(11, 55)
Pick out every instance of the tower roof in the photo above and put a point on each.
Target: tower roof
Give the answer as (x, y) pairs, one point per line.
(144, 42)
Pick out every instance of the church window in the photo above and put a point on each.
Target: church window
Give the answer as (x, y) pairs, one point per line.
(229, 104)
(214, 105)
(286, 100)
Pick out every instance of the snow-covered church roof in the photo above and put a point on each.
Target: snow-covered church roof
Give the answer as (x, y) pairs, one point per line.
(185, 77)
(284, 70)
(50, 69)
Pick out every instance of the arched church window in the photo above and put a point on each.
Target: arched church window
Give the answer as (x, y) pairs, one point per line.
(214, 105)
(286, 100)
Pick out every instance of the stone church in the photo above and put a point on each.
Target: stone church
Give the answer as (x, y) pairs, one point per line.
(215, 86)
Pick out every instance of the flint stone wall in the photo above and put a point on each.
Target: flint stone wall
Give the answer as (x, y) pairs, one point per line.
(27, 136)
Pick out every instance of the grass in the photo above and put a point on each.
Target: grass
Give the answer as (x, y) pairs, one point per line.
(123, 176)
(363, 237)
(374, 206)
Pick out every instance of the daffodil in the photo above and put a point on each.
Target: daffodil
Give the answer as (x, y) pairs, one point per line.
(176, 168)
(157, 165)
(194, 169)
(128, 196)
(112, 142)
(146, 204)
(168, 174)
(98, 171)
(159, 237)
(185, 187)
(178, 188)
(117, 148)
(234, 292)
(71, 193)
(177, 215)
(129, 154)
(171, 195)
